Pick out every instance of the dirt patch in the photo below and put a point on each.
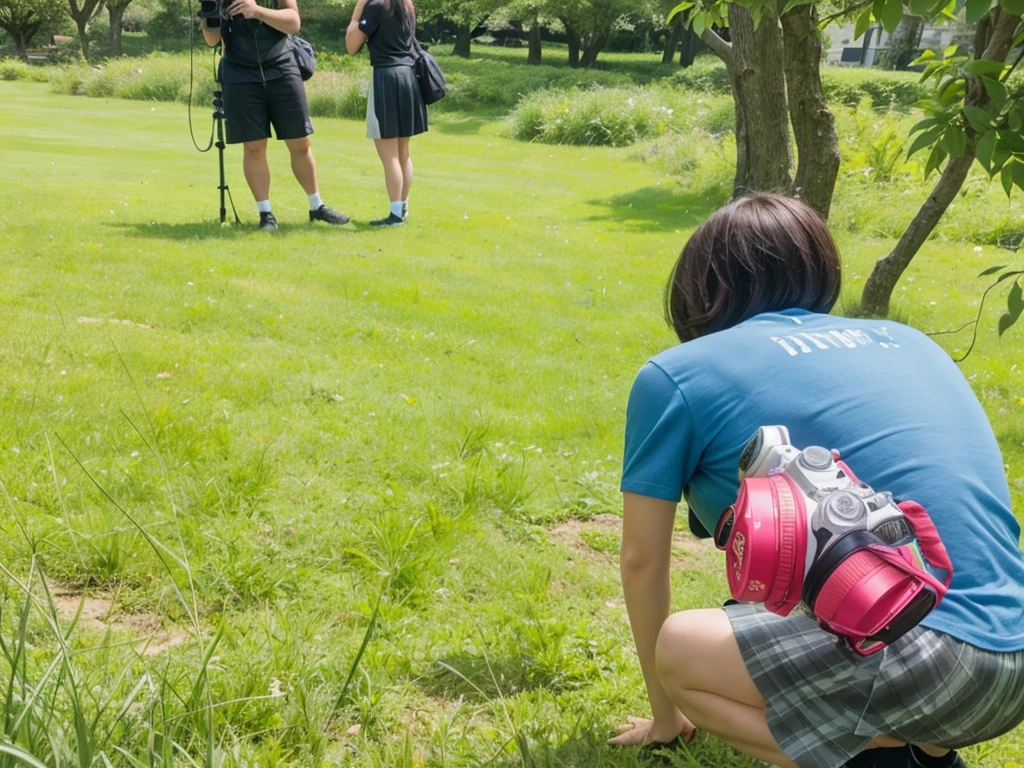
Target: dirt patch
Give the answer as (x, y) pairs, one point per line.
(596, 539)
(600, 537)
(96, 616)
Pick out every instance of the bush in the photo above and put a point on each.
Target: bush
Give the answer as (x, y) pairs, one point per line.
(616, 116)
(15, 69)
(887, 90)
(698, 160)
(613, 117)
(499, 84)
(338, 94)
(707, 74)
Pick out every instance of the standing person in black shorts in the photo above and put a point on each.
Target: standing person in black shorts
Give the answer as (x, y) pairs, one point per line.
(395, 111)
(262, 87)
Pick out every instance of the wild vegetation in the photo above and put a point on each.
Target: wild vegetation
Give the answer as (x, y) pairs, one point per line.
(350, 498)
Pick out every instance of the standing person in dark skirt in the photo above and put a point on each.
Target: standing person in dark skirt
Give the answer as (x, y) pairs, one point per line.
(262, 87)
(395, 111)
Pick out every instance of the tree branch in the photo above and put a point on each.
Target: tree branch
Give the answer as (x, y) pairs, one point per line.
(714, 41)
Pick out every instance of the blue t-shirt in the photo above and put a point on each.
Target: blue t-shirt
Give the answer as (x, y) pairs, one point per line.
(886, 396)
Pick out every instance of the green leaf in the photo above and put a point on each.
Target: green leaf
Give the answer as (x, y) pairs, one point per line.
(681, 8)
(996, 91)
(951, 51)
(928, 122)
(1013, 7)
(1016, 117)
(976, 9)
(983, 150)
(954, 141)
(863, 22)
(991, 270)
(935, 159)
(999, 157)
(1015, 301)
(892, 14)
(979, 119)
(1018, 174)
(926, 139)
(699, 24)
(1014, 307)
(757, 13)
(1006, 177)
(925, 56)
(950, 90)
(1012, 140)
(985, 67)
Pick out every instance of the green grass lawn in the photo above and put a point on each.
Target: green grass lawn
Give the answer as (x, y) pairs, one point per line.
(282, 427)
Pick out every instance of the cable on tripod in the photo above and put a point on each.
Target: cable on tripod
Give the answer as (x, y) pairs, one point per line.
(191, 82)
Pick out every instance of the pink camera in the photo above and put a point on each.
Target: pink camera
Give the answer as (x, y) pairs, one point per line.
(804, 528)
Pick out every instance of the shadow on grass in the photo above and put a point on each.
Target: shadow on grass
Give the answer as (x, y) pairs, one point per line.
(654, 209)
(591, 749)
(460, 124)
(213, 230)
(476, 678)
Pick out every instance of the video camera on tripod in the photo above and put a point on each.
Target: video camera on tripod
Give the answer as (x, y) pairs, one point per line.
(211, 11)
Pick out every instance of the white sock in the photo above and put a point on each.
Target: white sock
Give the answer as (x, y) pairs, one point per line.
(263, 206)
(405, 207)
(397, 208)
(315, 202)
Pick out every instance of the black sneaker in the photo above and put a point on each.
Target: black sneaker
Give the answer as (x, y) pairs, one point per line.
(268, 222)
(390, 221)
(324, 213)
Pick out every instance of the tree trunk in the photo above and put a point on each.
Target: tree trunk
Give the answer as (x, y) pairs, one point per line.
(116, 12)
(82, 17)
(535, 43)
(573, 39)
(887, 271)
(463, 40)
(21, 39)
(592, 46)
(994, 37)
(83, 37)
(814, 128)
(764, 158)
(688, 47)
(672, 36)
(904, 43)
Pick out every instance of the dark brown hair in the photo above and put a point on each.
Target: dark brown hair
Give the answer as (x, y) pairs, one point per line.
(758, 254)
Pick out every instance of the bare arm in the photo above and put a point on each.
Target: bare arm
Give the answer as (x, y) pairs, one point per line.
(355, 39)
(211, 36)
(645, 564)
(284, 18)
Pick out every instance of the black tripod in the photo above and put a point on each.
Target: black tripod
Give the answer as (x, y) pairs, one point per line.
(218, 118)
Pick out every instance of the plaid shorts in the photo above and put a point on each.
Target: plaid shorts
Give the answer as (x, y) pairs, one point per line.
(825, 703)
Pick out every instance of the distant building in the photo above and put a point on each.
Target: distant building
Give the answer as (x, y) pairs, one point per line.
(845, 51)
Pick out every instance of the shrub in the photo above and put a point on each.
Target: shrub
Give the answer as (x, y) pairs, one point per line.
(14, 69)
(707, 74)
(600, 116)
(887, 90)
(499, 84)
(616, 116)
(338, 94)
(703, 162)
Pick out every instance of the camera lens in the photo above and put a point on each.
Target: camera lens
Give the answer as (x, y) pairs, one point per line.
(751, 450)
(724, 528)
